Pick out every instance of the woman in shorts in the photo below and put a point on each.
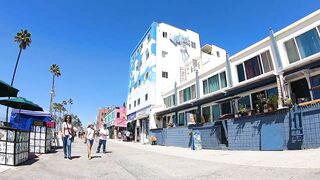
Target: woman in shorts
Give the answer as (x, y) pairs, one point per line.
(90, 138)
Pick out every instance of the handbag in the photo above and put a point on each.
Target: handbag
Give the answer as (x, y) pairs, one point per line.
(72, 134)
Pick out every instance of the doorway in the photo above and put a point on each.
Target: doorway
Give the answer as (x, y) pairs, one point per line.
(300, 91)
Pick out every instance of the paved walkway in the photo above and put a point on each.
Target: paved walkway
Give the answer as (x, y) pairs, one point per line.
(126, 160)
(283, 159)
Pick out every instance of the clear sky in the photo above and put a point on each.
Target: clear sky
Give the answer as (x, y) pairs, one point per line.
(92, 40)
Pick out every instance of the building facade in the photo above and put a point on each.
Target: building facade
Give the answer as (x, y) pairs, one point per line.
(157, 63)
(116, 121)
(282, 69)
(101, 115)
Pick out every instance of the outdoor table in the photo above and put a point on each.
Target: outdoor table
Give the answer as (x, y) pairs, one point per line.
(14, 145)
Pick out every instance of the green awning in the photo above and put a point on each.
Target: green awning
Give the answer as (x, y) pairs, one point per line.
(7, 91)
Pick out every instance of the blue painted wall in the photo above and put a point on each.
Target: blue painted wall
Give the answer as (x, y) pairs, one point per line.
(311, 126)
(178, 137)
(210, 136)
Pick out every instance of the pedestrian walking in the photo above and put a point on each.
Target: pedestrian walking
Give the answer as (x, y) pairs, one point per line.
(67, 134)
(103, 134)
(90, 138)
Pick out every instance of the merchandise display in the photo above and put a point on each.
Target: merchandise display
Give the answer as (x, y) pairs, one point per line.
(40, 137)
(13, 146)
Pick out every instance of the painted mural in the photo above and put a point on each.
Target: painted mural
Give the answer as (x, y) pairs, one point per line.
(143, 63)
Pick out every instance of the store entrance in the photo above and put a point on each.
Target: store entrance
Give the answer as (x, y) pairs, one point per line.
(300, 91)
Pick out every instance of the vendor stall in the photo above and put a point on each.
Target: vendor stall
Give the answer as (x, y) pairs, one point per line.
(14, 145)
(41, 137)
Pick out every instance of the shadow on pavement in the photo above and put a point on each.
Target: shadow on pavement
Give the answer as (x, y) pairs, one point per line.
(75, 157)
(108, 152)
(93, 157)
(30, 161)
(57, 147)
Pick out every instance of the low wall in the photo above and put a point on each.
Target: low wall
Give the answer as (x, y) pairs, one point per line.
(210, 136)
(271, 131)
(311, 126)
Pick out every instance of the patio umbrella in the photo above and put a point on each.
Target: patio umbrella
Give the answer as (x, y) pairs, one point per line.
(21, 103)
(7, 91)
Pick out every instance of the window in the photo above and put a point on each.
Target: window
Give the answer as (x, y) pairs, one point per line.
(164, 54)
(118, 115)
(147, 54)
(135, 103)
(305, 44)
(315, 84)
(244, 101)
(267, 61)
(164, 74)
(129, 106)
(226, 108)
(146, 97)
(187, 94)
(253, 67)
(170, 101)
(193, 45)
(206, 114)
(308, 43)
(181, 119)
(164, 34)
(148, 37)
(205, 87)
(138, 101)
(147, 75)
(216, 112)
(218, 54)
(223, 80)
(240, 70)
(213, 83)
(292, 51)
(258, 99)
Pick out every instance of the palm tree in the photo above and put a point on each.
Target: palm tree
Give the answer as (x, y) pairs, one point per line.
(24, 39)
(55, 70)
(70, 101)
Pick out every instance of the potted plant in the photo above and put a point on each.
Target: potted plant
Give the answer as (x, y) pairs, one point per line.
(272, 103)
(243, 110)
(261, 103)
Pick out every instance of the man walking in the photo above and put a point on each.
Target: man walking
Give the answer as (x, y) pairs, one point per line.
(103, 134)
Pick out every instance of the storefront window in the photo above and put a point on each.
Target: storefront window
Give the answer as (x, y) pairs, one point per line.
(315, 83)
(272, 92)
(216, 112)
(181, 119)
(244, 101)
(258, 100)
(225, 108)
(267, 61)
(206, 114)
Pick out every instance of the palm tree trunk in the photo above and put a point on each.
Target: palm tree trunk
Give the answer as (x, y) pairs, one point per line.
(52, 94)
(13, 76)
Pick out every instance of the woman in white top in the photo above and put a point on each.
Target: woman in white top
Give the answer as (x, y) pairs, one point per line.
(90, 137)
(67, 132)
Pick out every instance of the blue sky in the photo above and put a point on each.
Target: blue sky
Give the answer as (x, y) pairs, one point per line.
(92, 40)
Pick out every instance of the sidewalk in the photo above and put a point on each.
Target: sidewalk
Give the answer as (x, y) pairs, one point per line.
(283, 159)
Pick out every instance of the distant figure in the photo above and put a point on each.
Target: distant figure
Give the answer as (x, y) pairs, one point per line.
(90, 138)
(103, 134)
(67, 132)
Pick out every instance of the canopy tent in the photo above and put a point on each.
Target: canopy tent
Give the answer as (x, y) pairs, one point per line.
(21, 103)
(27, 118)
(7, 91)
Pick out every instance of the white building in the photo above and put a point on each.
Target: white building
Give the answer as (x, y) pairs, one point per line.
(285, 64)
(161, 58)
